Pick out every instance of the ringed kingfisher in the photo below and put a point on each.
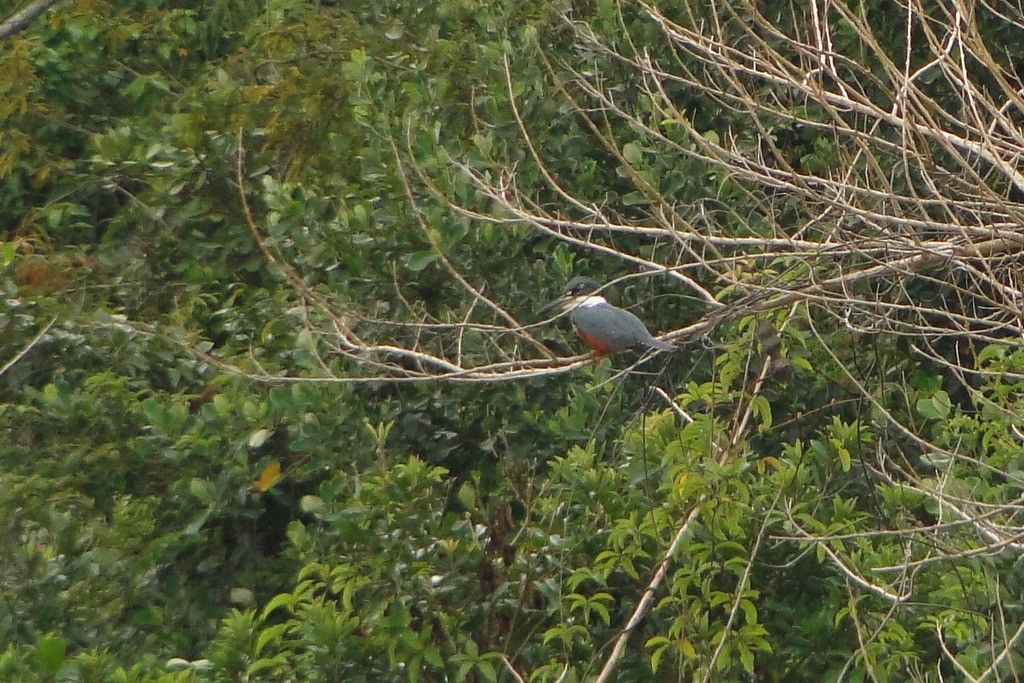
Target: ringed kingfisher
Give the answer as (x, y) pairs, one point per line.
(604, 328)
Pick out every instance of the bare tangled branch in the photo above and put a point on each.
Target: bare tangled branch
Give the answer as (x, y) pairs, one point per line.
(914, 192)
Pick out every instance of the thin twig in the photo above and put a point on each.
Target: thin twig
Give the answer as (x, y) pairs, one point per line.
(28, 347)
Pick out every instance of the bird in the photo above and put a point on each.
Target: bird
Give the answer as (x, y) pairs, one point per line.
(606, 329)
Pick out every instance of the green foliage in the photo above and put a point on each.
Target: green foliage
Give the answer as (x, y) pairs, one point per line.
(166, 520)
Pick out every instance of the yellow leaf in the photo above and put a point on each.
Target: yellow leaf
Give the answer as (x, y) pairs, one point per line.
(270, 475)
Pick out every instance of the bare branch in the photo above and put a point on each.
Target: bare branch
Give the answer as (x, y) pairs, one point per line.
(27, 347)
(20, 20)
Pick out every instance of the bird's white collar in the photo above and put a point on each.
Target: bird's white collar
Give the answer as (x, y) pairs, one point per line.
(590, 301)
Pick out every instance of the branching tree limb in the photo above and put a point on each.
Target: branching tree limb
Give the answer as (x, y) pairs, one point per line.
(20, 20)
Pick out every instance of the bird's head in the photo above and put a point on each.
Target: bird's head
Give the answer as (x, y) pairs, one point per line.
(578, 289)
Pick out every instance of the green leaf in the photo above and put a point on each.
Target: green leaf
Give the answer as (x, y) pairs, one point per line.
(153, 411)
(634, 199)
(487, 670)
(419, 260)
(803, 364)
(483, 143)
(467, 496)
(269, 635)
(763, 411)
(659, 644)
(936, 407)
(844, 458)
(51, 652)
(746, 658)
(279, 600)
(263, 664)
(202, 489)
(433, 657)
(749, 611)
(8, 252)
(633, 153)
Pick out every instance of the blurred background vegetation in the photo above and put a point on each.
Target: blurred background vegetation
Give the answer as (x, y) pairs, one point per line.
(202, 479)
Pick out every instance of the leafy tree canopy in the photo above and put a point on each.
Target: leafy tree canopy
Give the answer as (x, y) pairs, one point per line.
(280, 403)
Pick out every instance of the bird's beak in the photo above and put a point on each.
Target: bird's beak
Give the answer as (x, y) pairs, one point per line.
(559, 305)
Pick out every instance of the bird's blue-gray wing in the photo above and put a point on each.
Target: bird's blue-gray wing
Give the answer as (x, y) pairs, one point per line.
(617, 328)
